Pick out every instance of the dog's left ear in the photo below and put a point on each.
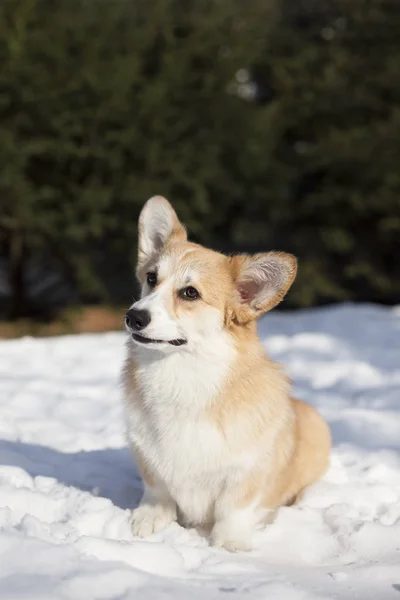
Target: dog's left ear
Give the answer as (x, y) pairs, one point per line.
(261, 281)
(158, 222)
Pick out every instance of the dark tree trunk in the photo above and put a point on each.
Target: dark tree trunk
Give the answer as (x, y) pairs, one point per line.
(19, 300)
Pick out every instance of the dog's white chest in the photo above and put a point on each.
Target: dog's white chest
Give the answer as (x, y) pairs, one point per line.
(177, 445)
(181, 445)
(186, 455)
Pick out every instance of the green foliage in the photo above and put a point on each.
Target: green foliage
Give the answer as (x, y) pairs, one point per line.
(104, 103)
(332, 186)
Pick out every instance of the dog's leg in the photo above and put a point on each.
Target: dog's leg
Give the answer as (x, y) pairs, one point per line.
(237, 516)
(154, 513)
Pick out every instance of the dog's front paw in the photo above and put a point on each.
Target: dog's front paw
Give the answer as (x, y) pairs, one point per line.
(230, 540)
(148, 519)
(233, 545)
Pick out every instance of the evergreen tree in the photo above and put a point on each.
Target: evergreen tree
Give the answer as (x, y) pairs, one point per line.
(268, 124)
(100, 109)
(331, 187)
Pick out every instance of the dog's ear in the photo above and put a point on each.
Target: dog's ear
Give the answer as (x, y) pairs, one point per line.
(158, 222)
(261, 281)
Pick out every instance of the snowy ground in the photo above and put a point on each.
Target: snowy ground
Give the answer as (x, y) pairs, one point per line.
(67, 481)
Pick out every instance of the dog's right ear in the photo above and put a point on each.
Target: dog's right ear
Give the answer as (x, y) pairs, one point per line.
(158, 222)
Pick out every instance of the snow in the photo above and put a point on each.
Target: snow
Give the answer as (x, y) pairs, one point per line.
(67, 481)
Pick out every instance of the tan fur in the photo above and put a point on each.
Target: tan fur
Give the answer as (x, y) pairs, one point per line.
(257, 397)
(287, 441)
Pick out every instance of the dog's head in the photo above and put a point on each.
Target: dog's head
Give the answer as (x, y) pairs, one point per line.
(190, 294)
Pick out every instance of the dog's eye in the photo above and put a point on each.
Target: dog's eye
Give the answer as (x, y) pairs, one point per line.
(190, 293)
(151, 279)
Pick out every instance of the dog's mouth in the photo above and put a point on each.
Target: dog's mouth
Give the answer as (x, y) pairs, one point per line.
(146, 340)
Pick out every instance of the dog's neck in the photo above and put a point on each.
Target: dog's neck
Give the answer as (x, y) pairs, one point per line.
(190, 377)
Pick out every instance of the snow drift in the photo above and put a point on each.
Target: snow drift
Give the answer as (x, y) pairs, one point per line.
(67, 480)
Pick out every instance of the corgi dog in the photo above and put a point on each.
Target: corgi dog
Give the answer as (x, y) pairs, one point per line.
(218, 439)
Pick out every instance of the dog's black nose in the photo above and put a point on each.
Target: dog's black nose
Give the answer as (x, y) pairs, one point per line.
(137, 319)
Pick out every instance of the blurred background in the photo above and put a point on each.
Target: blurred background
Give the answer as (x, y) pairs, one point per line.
(269, 124)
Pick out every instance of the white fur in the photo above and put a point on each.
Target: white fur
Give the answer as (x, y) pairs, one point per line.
(169, 430)
(189, 454)
(154, 513)
(233, 526)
